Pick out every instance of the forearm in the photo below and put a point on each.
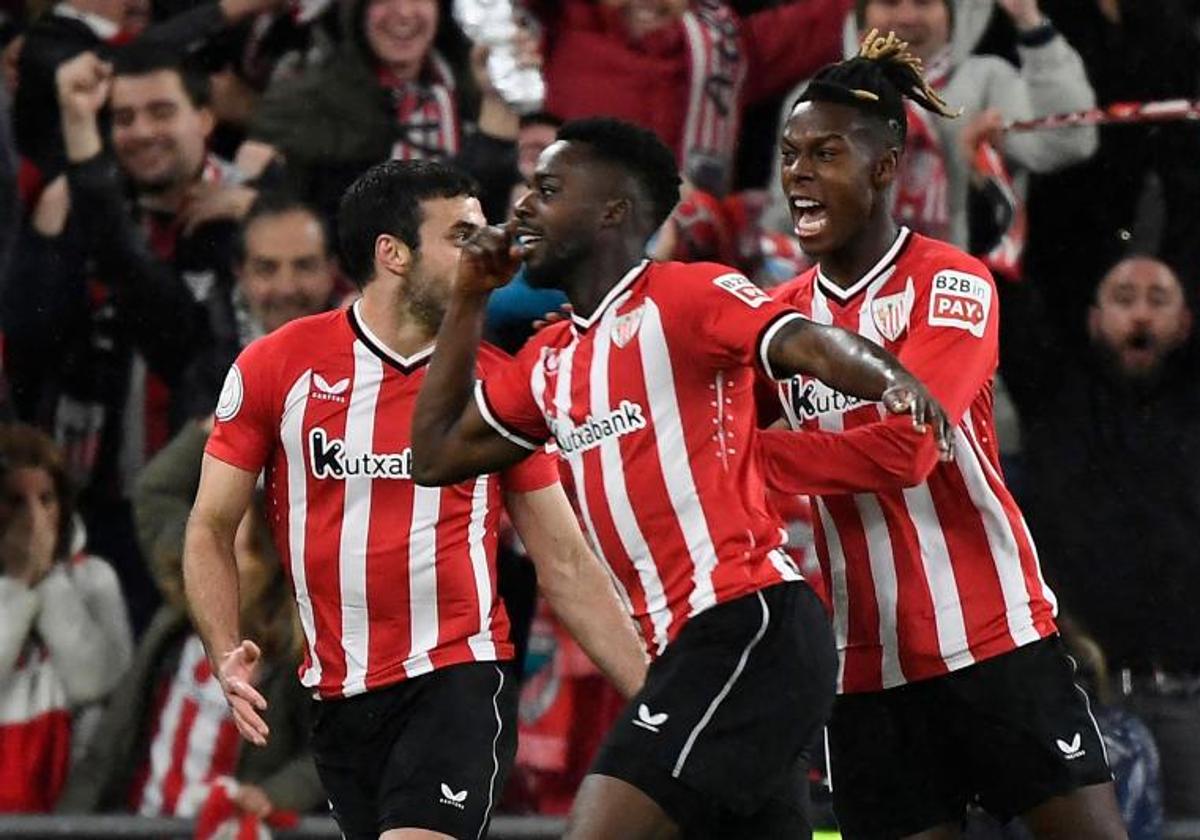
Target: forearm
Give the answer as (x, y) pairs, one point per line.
(583, 598)
(210, 582)
(87, 633)
(18, 609)
(81, 137)
(871, 459)
(846, 362)
(447, 389)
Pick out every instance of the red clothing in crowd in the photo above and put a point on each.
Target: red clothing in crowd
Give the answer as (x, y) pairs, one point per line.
(687, 81)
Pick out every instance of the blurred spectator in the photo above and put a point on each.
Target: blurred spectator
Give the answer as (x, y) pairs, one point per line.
(70, 27)
(285, 269)
(171, 698)
(1112, 461)
(64, 634)
(684, 69)
(107, 309)
(402, 85)
(935, 176)
(1142, 188)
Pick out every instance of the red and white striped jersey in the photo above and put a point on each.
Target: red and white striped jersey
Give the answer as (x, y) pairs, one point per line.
(392, 579)
(926, 574)
(650, 400)
(194, 739)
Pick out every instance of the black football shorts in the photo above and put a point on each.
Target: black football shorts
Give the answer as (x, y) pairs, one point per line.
(429, 752)
(718, 734)
(1008, 733)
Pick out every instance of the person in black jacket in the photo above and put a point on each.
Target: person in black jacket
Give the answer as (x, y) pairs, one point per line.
(1112, 490)
(71, 27)
(108, 306)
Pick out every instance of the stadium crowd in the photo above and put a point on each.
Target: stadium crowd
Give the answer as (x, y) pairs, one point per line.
(170, 178)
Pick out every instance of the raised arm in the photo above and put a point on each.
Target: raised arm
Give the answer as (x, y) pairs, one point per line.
(210, 579)
(857, 367)
(451, 440)
(576, 585)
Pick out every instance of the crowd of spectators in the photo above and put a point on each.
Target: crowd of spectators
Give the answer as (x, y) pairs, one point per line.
(169, 172)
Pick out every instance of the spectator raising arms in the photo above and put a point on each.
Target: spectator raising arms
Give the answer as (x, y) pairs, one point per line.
(64, 635)
(108, 307)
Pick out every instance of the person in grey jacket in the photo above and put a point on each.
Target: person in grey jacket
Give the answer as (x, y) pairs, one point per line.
(988, 89)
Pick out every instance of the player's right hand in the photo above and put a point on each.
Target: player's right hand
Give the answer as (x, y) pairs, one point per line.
(236, 674)
(488, 260)
(909, 396)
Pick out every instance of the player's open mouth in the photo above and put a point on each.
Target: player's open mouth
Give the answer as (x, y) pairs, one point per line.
(810, 216)
(528, 240)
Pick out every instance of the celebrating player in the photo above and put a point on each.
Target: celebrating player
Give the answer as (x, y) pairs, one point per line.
(953, 684)
(647, 393)
(407, 643)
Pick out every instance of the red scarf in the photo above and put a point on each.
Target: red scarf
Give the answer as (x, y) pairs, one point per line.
(426, 114)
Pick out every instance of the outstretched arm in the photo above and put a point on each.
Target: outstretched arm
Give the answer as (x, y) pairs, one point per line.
(451, 440)
(857, 367)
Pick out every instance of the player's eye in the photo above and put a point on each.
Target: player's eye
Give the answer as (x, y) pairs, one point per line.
(826, 154)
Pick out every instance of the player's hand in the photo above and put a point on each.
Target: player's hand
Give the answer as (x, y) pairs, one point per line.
(563, 313)
(237, 672)
(488, 260)
(83, 86)
(908, 396)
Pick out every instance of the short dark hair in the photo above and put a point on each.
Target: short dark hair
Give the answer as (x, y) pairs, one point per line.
(636, 150)
(144, 59)
(276, 202)
(386, 199)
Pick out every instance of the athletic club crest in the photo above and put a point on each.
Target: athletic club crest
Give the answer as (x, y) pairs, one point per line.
(890, 312)
(626, 327)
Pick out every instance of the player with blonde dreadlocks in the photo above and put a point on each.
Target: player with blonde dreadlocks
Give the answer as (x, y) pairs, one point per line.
(953, 686)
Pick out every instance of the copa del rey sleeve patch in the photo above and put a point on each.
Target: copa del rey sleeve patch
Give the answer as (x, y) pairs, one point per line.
(742, 289)
(960, 300)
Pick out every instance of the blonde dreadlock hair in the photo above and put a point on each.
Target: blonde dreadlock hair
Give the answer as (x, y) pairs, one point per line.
(877, 81)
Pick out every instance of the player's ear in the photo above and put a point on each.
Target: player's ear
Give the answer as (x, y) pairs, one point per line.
(392, 255)
(615, 211)
(884, 172)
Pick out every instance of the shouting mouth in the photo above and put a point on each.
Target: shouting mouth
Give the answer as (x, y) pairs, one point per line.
(810, 217)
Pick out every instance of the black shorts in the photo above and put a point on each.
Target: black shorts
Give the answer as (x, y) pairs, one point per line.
(1008, 733)
(717, 734)
(430, 752)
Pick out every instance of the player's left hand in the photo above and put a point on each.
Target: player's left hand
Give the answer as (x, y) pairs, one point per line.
(908, 396)
(236, 675)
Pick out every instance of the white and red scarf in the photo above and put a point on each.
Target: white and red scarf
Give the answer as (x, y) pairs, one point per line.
(715, 82)
(426, 114)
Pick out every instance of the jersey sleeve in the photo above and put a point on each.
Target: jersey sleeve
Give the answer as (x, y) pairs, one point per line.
(504, 395)
(952, 348)
(247, 412)
(537, 471)
(953, 339)
(734, 321)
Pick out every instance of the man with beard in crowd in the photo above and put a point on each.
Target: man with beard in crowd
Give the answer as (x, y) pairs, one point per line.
(1112, 454)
